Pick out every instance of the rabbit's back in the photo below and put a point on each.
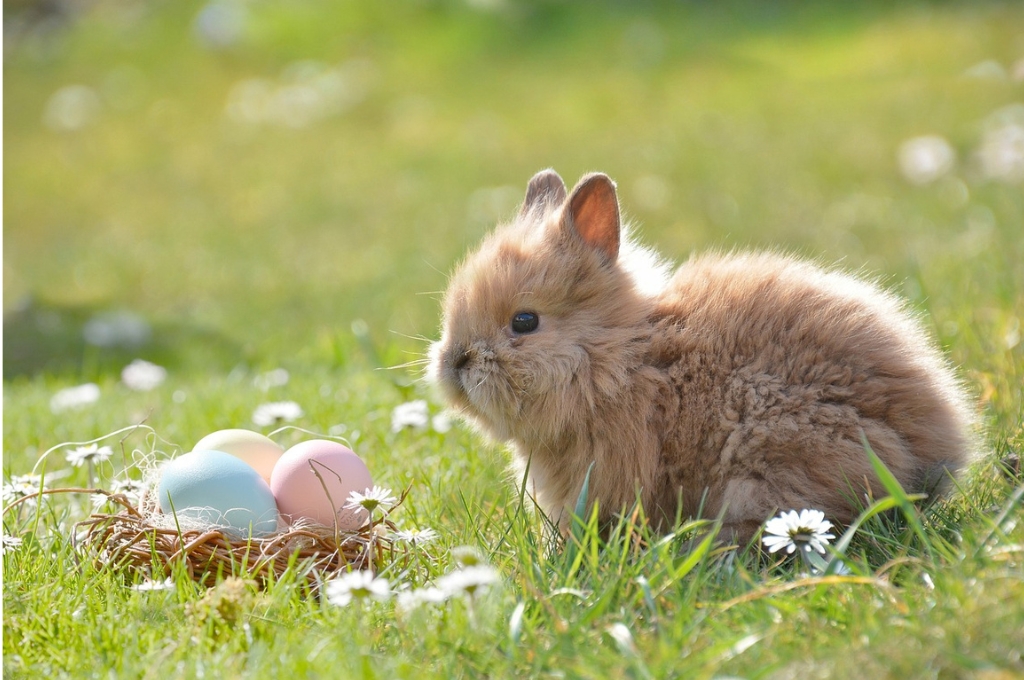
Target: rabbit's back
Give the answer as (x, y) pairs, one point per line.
(779, 367)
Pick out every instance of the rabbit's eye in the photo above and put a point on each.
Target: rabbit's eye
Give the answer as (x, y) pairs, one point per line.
(525, 322)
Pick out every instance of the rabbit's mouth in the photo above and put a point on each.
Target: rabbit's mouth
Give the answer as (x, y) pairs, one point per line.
(450, 365)
(468, 378)
(464, 370)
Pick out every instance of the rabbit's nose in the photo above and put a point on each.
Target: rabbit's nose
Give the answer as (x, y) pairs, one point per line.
(460, 357)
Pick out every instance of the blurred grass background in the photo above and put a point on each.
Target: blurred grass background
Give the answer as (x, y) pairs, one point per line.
(230, 187)
(248, 178)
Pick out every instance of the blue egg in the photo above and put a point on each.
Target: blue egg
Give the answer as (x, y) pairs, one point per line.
(220, 490)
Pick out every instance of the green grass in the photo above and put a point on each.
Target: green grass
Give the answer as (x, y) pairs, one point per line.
(321, 249)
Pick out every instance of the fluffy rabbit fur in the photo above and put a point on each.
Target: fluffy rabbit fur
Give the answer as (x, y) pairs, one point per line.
(739, 387)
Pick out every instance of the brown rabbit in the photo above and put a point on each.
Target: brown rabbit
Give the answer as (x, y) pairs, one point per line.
(739, 387)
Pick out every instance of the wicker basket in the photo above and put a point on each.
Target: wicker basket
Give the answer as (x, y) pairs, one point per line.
(127, 540)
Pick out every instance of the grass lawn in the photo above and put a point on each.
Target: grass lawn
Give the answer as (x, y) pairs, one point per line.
(232, 189)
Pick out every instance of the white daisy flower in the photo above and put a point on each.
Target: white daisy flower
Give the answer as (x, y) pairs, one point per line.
(409, 600)
(806, 530)
(277, 412)
(622, 637)
(143, 376)
(415, 536)
(132, 489)
(93, 453)
(274, 378)
(410, 414)
(149, 586)
(10, 544)
(1002, 152)
(74, 397)
(468, 556)
(378, 497)
(357, 585)
(925, 159)
(72, 108)
(20, 486)
(468, 580)
(441, 423)
(840, 569)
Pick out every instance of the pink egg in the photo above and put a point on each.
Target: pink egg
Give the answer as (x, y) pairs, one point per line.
(312, 481)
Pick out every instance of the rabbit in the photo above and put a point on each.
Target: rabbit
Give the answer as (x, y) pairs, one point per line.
(742, 385)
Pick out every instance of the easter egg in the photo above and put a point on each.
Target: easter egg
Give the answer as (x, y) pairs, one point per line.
(313, 480)
(218, 489)
(255, 449)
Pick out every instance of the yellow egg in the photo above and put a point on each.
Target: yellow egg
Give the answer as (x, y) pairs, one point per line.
(260, 452)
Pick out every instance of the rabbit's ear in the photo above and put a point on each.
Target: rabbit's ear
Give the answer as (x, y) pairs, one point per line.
(545, 191)
(593, 211)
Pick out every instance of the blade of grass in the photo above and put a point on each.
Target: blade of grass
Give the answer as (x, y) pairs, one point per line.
(903, 500)
(691, 561)
(997, 523)
(581, 500)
